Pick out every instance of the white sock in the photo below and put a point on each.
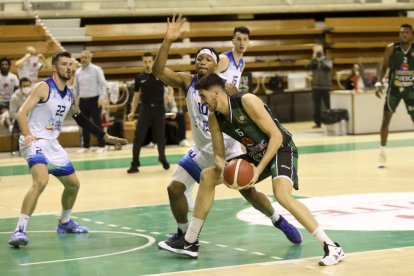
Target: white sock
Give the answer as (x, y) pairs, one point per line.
(22, 224)
(383, 148)
(275, 217)
(321, 236)
(183, 227)
(65, 217)
(194, 230)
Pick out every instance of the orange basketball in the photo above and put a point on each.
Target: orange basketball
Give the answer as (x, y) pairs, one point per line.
(237, 173)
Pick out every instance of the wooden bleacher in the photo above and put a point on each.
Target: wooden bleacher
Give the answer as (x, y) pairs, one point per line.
(275, 44)
(361, 39)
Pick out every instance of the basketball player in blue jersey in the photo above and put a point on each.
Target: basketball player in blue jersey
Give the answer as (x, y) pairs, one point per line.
(201, 154)
(231, 63)
(269, 148)
(40, 119)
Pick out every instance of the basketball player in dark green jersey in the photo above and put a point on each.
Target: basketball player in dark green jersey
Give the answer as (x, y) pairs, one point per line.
(270, 149)
(399, 59)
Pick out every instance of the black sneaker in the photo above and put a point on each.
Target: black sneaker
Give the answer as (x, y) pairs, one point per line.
(133, 169)
(181, 246)
(165, 164)
(174, 237)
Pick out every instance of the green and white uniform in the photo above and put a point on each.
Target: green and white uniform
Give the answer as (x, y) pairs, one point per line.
(401, 79)
(241, 127)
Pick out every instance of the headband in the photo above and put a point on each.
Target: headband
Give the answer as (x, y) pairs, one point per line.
(207, 52)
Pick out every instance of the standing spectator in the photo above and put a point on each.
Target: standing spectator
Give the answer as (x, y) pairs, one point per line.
(8, 83)
(29, 65)
(152, 113)
(18, 98)
(175, 116)
(90, 89)
(321, 67)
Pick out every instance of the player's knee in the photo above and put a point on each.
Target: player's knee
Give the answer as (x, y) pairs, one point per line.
(175, 189)
(73, 185)
(40, 184)
(210, 176)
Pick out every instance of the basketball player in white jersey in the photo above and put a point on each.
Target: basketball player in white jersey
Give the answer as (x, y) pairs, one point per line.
(40, 119)
(201, 155)
(231, 63)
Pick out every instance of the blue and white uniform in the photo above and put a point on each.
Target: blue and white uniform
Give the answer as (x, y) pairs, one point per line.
(233, 72)
(201, 155)
(45, 122)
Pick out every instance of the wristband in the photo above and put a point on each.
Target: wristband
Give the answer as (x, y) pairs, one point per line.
(378, 84)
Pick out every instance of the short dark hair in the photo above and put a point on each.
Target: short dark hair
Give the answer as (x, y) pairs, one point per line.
(241, 29)
(5, 59)
(58, 55)
(147, 54)
(22, 80)
(211, 50)
(208, 81)
(408, 26)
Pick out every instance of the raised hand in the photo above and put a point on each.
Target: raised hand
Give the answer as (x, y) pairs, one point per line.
(174, 28)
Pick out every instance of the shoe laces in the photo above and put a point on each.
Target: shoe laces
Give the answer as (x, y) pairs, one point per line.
(176, 236)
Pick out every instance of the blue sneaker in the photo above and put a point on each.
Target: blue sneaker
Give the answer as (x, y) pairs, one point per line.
(71, 227)
(18, 238)
(289, 230)
(175, 237)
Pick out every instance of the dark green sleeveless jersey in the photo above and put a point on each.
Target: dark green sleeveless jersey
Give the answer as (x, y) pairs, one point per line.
(401, 68)
(240, 127)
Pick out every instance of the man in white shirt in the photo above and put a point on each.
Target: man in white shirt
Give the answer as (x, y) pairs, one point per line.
(90, 88)
(30, 65)
(8, 83)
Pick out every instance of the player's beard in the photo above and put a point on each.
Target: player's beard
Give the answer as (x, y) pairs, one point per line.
(63, 77)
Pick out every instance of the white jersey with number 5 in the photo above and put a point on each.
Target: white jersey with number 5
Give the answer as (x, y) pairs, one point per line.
(46, 119)
(233, 72)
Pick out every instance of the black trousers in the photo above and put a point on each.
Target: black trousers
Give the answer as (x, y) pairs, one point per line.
(150, 116)
(89, 107)
(319, 95)
(180, 119)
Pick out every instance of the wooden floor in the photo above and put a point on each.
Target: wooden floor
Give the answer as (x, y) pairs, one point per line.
(330, 173)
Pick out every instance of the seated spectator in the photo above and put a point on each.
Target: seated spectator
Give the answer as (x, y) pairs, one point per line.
(356, 80)
(18, 98)
(173, 115)
(29, 65)
(8, 83)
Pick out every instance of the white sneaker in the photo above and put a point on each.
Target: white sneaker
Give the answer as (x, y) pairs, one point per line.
(333, 255)
(100, 150)
(382, 160)
(83, 150)
(150, 145)
(184, 143)
(190, 200)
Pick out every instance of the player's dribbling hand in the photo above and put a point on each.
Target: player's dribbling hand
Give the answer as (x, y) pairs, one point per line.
(174, 27)
(255, 177)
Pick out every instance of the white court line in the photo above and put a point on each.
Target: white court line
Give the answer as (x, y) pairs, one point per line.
(151, 240)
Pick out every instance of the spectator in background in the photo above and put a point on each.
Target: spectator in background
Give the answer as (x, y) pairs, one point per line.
(29, 65)
(18, 98)
(321, 67)
(355, 81)
(90, 88)
(8, 84)
(175, 116)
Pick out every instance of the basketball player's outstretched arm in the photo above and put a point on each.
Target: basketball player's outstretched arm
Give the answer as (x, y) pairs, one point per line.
(383, 70)
(159, 69)
(257, 112)
(39, 93)
(83, 122)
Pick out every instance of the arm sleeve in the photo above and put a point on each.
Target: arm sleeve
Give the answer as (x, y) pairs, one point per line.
(137, 84)
(83, 122)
